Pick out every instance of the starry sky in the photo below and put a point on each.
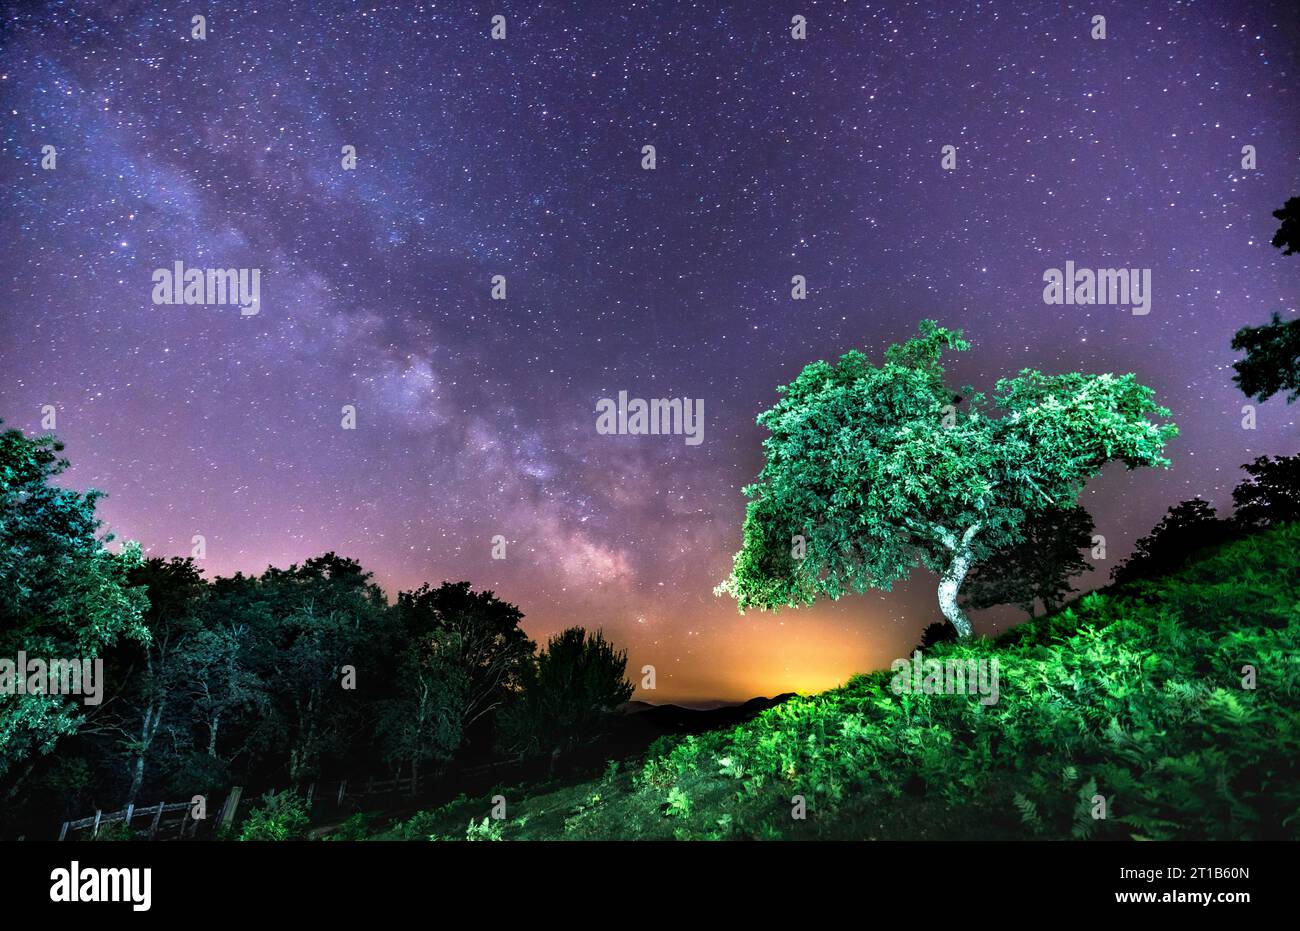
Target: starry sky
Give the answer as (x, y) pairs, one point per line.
(522, 157)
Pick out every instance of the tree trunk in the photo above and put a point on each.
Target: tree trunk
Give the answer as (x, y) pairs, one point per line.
(949, 583)
(152, 718)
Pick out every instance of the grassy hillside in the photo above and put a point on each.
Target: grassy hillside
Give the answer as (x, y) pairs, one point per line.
(1134, 694)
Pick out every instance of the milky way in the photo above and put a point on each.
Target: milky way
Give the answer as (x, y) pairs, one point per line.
(522, 157)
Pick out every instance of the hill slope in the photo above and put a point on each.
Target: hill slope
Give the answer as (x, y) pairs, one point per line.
(1133, 694)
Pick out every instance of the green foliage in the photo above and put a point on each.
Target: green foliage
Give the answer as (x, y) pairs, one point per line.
(879, 471)
(281, 816)
(568, 694)
(63, 594)
(310, 621)
(1272, 362)
(1039, 567)
(487, 829)
(1135, 694)
(462, 657)
(357, 827)
(679, 803)
(114, 831)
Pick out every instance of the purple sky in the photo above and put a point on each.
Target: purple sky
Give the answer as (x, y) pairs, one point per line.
(522, 158)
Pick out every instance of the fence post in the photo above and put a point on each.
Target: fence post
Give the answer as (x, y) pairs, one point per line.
(130, 810)
(232, 802)
(64, 832)
(311, 793)
(98, 814)
(343, 788)
(153, 828)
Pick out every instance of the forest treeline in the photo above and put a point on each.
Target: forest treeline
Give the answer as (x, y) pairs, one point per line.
(298, 674)
(279, 679)
(271, 680)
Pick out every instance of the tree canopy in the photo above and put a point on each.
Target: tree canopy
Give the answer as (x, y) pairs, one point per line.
(63, 593)
(1271, 494)
(1272, 362)
(873, 470)
(1039, 567)
(568, 693)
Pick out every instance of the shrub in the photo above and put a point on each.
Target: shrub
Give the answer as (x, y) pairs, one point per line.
(281, 816)
(488, 829)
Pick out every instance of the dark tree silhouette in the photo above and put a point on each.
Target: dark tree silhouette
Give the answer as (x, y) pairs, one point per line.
(475, 633)
(1272, 363)
(568, 694)
(1272, 493)
(1188, 526)
(1287, 237)
(936, 633)
(1040, 567)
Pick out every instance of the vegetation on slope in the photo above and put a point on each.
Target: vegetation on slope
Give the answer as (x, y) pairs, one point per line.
(1137, 694)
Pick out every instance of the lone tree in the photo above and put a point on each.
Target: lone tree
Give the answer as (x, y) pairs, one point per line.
(871, 471)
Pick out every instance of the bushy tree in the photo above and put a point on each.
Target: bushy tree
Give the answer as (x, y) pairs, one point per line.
(63, 594)
(567, 694)
(1187, 527)
(871, 471)
(1039, 567)
(1272, 363)
(281, 816)
(473, 634)
(1271, 495)
(935, 634)
(422, 722)
(217, 694)
(155, 669)
(316, 619)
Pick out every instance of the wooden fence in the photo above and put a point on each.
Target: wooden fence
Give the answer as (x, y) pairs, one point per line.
(164, 827)
(161, 825)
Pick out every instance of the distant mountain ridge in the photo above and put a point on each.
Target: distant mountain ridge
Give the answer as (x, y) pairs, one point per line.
(676, 719)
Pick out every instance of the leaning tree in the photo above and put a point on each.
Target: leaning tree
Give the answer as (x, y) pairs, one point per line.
(871, 471)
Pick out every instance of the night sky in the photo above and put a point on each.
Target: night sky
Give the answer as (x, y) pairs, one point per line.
(522, 158)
